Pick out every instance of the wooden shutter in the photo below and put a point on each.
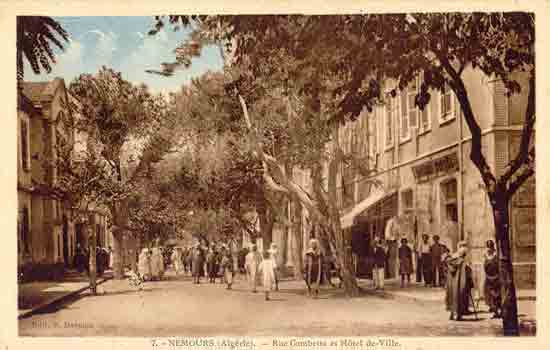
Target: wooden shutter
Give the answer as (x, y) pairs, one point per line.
(404, 118)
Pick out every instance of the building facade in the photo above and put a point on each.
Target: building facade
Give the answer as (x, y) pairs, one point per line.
(424, 180)
(47, 225)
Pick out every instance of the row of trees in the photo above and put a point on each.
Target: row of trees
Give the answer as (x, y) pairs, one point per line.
(296, 79)
(288, 84)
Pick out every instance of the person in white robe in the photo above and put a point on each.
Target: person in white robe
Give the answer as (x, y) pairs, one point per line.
(253, 260)
(267, 271)
(144, 264)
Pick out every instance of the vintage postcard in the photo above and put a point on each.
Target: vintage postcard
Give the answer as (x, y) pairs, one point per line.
(249, 177)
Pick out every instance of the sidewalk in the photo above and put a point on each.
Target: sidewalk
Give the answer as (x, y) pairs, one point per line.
(35, 296)
(526, 300)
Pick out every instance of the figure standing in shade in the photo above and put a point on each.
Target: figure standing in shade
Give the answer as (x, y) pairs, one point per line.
(380, 255)
(459, 283)
(313, 268)
(491, 289)
(267, 271)
(425, 260)
(405, 262)
(437, 250)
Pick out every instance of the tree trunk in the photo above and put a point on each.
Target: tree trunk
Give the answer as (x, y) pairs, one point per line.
(298, 242)
(118, 263)
(502, 230)
(90, 227)
(266, 220)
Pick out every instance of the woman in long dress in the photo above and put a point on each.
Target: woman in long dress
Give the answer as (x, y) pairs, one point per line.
(144, 264)
(267, 271)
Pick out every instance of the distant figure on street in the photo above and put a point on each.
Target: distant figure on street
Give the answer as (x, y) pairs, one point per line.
(274, 255)
(227, 268)
(267, 271)
(491, 289)
(99, 261)
(80, 259)
(405, 262)
(459, 283)
(211, 265)
(144, 264)
(110, 264)
(379, 266)
(437, 250)
(157, 264)
(197, 264)
(313, 265)
(425, 260)
(176, 260)
(253, 260)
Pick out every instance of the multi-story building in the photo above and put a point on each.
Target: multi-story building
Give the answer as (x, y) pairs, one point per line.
(425, 181)
(47, 232)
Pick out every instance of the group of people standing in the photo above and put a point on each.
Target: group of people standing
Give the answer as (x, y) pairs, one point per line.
(103, 259)
(151, 264)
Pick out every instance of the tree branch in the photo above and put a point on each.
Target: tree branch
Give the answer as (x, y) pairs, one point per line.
(524, 175)
(476, 154)
(526, 135)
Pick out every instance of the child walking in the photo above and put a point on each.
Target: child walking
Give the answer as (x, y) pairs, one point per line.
(267, 270)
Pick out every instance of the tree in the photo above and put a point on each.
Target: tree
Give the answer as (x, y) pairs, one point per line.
(441, 47)
(35, 36)
(279, 62)
(133, 130)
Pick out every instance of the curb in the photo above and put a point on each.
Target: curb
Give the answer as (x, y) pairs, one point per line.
(59, 299)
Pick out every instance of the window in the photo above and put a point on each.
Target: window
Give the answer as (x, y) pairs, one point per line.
(24, 145)
(446, 105)
(409, 111)
(407, 200)
(391, 111)
(449, 200)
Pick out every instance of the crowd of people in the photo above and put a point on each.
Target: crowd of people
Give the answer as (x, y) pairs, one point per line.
(436, 267)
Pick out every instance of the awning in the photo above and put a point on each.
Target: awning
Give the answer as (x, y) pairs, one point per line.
(347, 219)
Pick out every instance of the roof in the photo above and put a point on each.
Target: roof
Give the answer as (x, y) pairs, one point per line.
(40, 91)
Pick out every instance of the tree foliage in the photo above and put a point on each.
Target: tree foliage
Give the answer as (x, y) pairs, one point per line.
(35, 37)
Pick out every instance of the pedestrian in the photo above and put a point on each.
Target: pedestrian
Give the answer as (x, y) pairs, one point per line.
(227, 268)
(459, 283)
(197, 264)
(274, 255)
(491, 289)
(157, 264)
(211, 265)
(425, 260)
(99, 261)
(176, 260)
(144, 264)
(111, 260)
(380, 255)
(313, 268)
(267, 271)
(436, 251)
(253, 260)
(405, 262)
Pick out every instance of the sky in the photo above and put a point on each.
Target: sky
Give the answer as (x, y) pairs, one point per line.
(122, 43)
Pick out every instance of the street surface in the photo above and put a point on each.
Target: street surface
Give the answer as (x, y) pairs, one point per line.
(177, 307)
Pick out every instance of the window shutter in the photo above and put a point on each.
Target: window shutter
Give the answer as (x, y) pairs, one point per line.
(499, 103)
(404, 115)
(24, 146)
(425, 118)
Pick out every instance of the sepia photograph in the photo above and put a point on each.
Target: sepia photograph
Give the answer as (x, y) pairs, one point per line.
(290, 175)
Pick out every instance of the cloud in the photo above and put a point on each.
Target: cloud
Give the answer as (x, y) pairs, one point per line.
(106, 43)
